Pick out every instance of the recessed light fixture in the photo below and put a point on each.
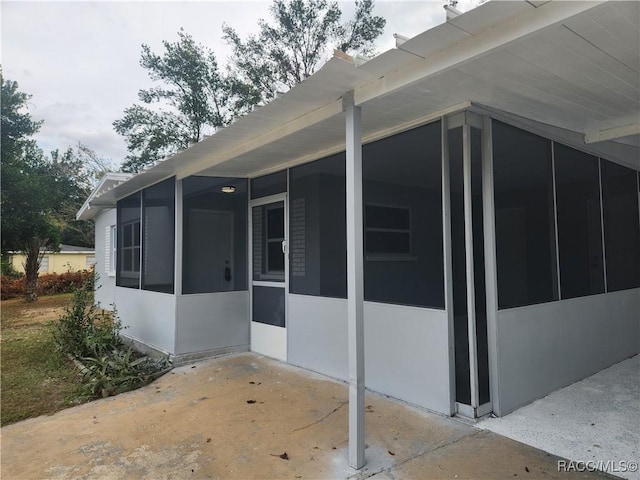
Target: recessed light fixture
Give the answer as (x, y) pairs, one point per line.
(228, 189)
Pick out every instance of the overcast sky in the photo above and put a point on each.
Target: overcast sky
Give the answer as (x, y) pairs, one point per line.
(80, 59)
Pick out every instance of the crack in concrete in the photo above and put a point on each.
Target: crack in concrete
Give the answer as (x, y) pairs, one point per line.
(387, 471)
(342, 404)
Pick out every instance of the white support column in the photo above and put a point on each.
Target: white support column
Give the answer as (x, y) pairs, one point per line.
(355, 283)
(177, 265)
(556, 240)
(604, 248)
(448, 266)
(490, 265)
(468, 240)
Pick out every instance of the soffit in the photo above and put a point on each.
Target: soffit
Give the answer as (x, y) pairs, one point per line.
(579, 75)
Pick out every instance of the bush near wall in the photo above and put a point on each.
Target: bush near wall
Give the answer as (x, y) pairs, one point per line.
(49, 284)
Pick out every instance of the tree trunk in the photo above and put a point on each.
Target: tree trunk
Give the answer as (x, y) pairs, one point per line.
(32, 262)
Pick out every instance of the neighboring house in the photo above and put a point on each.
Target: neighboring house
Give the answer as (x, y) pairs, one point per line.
(494, 225)
(69, 259)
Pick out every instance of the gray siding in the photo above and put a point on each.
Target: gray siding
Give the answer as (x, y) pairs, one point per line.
(212, 321)
(148, 317)
(542, 348)
(406, 348)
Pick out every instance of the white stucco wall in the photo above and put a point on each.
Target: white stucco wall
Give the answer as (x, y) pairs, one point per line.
(542, 348)
(208, 322)
(406, 348)
(149, 317)
(106, 283)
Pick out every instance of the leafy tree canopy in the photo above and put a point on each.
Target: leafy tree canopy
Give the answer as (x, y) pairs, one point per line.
(39, 195)
(299, 39)
(192, 100)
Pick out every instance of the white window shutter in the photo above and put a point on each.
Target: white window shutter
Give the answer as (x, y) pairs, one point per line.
(107, 250)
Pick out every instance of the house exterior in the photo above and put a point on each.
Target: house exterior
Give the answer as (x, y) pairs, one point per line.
(70, 258)
(458, 217)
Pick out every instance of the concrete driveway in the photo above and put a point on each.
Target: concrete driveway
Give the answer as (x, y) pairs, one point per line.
(595, 421)
(245, 416)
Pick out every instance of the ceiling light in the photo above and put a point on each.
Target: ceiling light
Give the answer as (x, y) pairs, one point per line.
(228, 189)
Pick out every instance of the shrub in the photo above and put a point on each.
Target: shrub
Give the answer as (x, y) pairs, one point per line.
(49, 284)
(92, 336)
(6, 267)
(84, 329)
(118, 372)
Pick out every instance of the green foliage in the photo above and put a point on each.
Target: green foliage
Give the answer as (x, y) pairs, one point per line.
(295, 44)
(36, 380)
(7, 270)
(93, 337)
(195, 98)
(118, 371)
(84, 329)
(17, 125)
(39, 196)
(192, 99)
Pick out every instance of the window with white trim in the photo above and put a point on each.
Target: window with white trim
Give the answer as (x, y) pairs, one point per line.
(131, 247)
(129, 239)
(44, 265)
(110, 249)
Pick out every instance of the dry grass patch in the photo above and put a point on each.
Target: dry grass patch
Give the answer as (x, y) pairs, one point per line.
(35, 379)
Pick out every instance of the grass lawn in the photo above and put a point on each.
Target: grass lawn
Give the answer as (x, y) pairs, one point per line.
(35, 379)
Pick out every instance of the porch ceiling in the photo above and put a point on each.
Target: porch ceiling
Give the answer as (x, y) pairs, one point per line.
(571, 65)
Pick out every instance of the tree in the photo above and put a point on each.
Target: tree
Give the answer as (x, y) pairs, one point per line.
(37, 194)
(192, 100)
(82, 168)
(17, 125)
(295, 44)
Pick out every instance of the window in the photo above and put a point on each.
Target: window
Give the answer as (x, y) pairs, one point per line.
(158, 204)
(621, 228)
(128, 253)
(402, 193)
(130, 264)
(524, 217)
(113, 235)
(579, 226)
(274, 220)
(214, 257)
(268, 234)
(387, 231)
(145, 227)
(318, 228)
(44, 265)
(110, 250)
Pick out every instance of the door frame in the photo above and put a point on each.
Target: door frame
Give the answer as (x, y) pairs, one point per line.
(266, 339)
(467, 120)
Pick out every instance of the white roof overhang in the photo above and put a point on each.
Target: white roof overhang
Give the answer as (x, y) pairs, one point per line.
(569, 65)
(94, 202)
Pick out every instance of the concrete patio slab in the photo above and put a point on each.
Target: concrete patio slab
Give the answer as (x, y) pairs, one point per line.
(596, 420)
(237, 417)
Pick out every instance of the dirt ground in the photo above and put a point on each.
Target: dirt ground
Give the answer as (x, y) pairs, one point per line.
(245, 416)
(16, 313)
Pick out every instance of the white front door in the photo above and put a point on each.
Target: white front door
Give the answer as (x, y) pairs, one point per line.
(269, 276)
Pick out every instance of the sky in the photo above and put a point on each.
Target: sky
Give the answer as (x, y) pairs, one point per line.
(80, 59)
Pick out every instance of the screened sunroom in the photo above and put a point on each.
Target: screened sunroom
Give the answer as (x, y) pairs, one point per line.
(454, 223)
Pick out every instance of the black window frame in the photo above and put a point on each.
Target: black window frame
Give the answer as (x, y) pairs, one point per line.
(393, 230)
